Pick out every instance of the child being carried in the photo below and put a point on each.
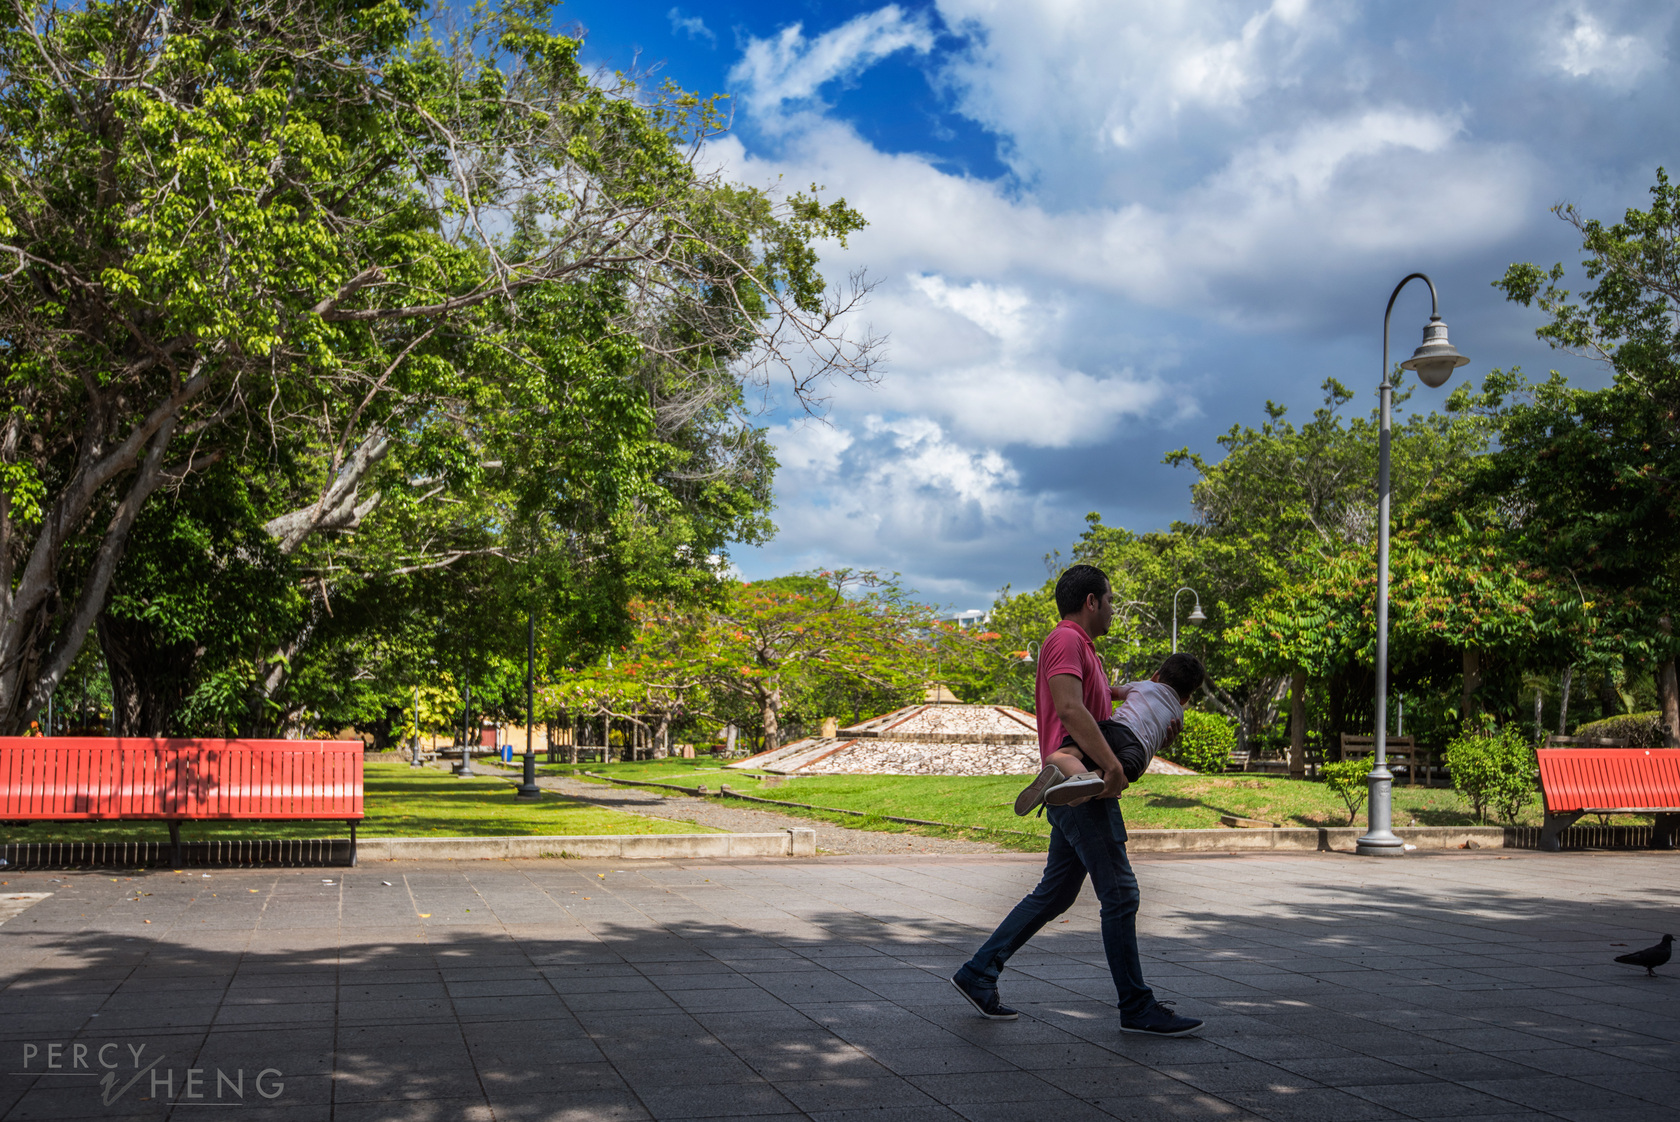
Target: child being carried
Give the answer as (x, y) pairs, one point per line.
(1148, 720)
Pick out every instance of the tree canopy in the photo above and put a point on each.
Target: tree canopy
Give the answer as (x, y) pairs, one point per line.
(323, 295)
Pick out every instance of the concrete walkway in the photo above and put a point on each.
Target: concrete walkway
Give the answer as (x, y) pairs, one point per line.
(1473, 985)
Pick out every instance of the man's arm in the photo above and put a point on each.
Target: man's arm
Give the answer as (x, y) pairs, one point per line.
(1068, 697)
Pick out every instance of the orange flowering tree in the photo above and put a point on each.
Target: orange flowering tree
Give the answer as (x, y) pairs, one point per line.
(1457, 594)
(813, 644)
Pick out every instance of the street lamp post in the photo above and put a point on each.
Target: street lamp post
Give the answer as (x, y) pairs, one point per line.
(465, 766)
(1195, 615)
(528, 788)
(1433, 361)
(414, 760)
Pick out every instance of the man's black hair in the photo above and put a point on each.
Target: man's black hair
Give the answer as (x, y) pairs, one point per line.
(1183, 672)
(1076, 583)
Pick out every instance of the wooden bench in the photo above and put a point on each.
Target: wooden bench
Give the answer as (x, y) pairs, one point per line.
(110, 779)
(1584, 742)
(1400, 749)
(1577, 781)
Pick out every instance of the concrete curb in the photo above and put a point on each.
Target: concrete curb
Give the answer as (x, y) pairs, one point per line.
(1321, 838)
(626, 847)
(1217, 840)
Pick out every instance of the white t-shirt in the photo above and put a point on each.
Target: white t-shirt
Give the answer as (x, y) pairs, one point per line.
(1151, 710)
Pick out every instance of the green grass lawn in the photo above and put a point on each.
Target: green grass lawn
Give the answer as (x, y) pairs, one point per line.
(1154, 802)
(399, 802)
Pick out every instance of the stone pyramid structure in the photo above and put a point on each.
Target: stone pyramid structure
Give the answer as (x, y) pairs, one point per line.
(929, 739)
(916, 740)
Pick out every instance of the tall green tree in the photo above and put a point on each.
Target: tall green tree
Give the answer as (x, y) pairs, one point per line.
(305, 239)
(1592, 478)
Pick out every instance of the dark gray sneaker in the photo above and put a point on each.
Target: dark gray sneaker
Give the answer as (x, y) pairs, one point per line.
(986, 1001)
(1048, 776)
(1158, 1020)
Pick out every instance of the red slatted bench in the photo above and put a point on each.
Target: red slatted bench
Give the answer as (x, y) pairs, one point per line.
(105, 779)
(1577, 781)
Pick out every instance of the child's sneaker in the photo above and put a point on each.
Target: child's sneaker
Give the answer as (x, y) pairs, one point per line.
(1048, 777)
(1078, 787)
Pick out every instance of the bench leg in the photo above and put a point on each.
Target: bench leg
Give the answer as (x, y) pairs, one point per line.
(175, 841)
(1665, 832)
(352, 843)
(1551, 834)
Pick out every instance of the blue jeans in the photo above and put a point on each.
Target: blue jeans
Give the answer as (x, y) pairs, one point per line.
(1089, 838)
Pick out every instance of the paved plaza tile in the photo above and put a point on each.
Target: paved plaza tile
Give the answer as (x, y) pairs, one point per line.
(1443, 986)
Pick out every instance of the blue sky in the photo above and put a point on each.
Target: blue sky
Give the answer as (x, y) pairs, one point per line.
(1103, 230)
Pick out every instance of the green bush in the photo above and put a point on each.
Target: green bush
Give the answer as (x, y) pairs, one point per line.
(1640, 730)
(1494, 769)
(1348, 779)
(1205, 743)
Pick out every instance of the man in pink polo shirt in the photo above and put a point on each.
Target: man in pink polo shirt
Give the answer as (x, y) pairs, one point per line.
(1087, 837)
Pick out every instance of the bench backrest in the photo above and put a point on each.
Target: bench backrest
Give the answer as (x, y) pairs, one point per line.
(1369, 743)
(1555, 741)
(1609, 778)
(67, 777)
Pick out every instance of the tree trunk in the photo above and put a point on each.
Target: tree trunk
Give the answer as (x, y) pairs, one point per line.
(1563, 702)
(1668, 699)
(1298, 725)
(1609, 698)
(771, 713)
(149, 679)
(1472, 682)
(577, 735)
(1668, 692)
(1337, 689)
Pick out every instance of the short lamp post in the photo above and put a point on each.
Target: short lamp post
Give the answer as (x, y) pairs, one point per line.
(1195, 615)
(465, 766)
(528, 788)
(414, 760)
(1434, 361)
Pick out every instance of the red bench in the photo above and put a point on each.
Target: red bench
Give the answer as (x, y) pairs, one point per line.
(105, 779)
(1577, 781)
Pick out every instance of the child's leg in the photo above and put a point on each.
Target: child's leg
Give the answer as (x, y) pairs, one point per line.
(1058, 766)
(1081, 781)
(1070, 760)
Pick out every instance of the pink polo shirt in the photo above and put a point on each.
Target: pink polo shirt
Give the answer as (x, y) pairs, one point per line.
(1068, 650)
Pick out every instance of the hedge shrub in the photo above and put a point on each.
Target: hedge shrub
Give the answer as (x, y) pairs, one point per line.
(1205, 743)
(1640, 730)
(1494, 769)
(1349, 779)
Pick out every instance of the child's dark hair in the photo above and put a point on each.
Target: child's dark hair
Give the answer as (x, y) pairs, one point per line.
(1076, 583)
(1183, 672)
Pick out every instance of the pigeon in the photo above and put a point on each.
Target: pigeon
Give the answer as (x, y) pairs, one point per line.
(1651, 957)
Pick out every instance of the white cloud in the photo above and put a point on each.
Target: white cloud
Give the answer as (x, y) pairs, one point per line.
(901, 494)
(792, 68)
(983, 360)
(694, 26)
(1582, 48)
(1000, 311)
(1313, 201)
(811, 447)
(1076, 84)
